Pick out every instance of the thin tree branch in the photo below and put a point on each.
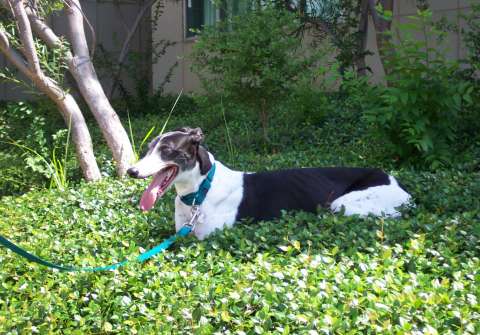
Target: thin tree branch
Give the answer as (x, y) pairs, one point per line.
(126, 43)
(373, 11)
(68, 3)
(13, 55)
(26, 36)
(42, 81)
(42, 30)
(133, 29)
(120, 14)
(363, 30)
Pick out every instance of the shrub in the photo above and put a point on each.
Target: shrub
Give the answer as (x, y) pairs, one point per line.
(421, 108)
(471, 35)
(32, 142)
(254, 60)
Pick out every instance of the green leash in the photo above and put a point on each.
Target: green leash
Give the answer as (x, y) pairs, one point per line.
(184, 231)
(194, 200)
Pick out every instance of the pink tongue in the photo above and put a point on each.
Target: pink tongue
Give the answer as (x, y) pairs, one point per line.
(151, 193)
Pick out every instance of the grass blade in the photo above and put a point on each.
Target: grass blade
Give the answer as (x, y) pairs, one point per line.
(171, 111)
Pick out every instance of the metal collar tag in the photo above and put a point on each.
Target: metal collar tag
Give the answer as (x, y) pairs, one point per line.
(195, 214)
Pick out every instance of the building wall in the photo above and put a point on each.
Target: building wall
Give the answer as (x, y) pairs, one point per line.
(171, 26)
(451, 9)
(110, 24)
(172, 23)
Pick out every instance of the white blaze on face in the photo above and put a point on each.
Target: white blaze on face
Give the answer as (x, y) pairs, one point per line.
(150, 164)
(164, 173)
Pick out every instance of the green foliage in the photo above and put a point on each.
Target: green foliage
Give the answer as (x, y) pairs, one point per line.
(134, 83)
(301, 274)
(421, 108)
(52, 60)
(336, 22)
(471, 34)
(31, 142)
(357, 93)
(254, 60)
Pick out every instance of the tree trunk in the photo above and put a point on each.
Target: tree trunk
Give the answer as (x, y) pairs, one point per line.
(64, 101)
(363, 30)
(382, 27)
(80, 136)
(84, 73)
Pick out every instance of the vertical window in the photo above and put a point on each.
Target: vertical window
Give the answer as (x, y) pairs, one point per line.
(195, 16)
(201, 13)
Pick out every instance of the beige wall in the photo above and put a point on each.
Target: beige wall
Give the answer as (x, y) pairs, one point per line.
(109, 22)
(451, 9)
(171, 26)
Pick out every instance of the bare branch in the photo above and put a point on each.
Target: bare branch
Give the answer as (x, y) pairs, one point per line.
(120, 14)
(26, 35)
(87, 80)
(373, 11)
(363, 30)
(13, 55)
(75, 3)
(42, 30)
(382, 28)
(133, 29)
(77, 33)
(126, 43)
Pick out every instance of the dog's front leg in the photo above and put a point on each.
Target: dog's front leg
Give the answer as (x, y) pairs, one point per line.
(182, 214)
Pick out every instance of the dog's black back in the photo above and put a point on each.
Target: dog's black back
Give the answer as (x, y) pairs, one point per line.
(265, 194)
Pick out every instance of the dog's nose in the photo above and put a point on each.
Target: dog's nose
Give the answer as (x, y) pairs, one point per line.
(133, 172)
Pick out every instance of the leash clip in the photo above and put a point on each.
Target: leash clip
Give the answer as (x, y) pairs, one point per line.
(195, 212)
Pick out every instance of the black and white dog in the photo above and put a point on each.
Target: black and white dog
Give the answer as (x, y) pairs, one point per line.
(177, 158)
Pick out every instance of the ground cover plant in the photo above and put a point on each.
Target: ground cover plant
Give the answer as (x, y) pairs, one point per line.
(302, 274)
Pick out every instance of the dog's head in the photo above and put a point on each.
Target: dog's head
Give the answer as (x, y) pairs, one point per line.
(169, 156)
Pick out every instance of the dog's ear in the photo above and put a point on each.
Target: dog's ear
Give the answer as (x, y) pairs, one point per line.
(196, 135)
(203, 160)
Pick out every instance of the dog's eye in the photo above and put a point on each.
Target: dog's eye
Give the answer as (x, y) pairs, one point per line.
(166, 149)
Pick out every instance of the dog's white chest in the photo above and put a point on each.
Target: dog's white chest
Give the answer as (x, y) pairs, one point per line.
(219, 208)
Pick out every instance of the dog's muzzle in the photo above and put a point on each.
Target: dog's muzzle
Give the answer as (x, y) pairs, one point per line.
(133, 172)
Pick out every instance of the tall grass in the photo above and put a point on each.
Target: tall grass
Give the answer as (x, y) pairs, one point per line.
(232, 154)
(56, 168)
(137, 151)
(171, 112)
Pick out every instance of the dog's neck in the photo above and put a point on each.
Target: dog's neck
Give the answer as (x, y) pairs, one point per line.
(189, 181)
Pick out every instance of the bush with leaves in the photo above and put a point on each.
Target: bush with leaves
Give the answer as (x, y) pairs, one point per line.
(471, 35)
(420, 110)
(254, 60)
(31, 137)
